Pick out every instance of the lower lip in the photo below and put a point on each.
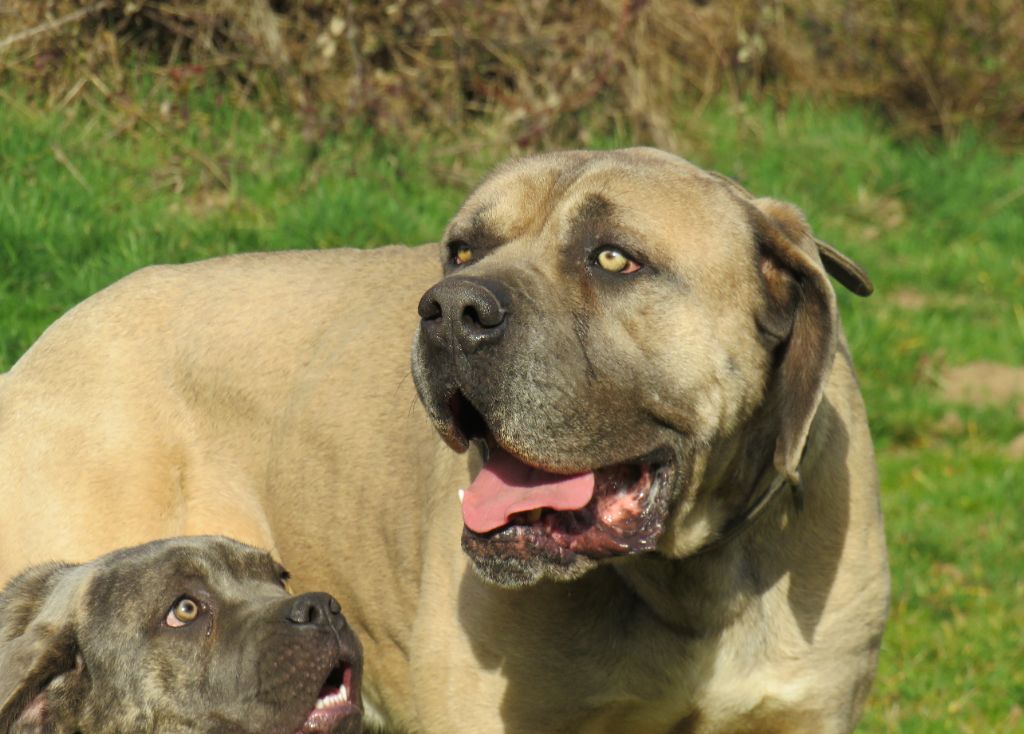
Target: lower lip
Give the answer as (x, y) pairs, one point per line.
(320, 721)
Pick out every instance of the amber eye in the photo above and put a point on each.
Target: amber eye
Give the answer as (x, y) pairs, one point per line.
(461, 253)
(614, 261)
(184, 611)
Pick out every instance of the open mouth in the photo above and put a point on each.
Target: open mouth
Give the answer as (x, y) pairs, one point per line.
(609, 511)
(337, 703)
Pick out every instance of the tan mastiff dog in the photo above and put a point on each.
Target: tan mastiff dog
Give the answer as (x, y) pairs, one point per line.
(670, 518)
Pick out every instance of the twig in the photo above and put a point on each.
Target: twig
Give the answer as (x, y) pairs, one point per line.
(51, 25)
(72, 93)
(137, 113)
(59, 154)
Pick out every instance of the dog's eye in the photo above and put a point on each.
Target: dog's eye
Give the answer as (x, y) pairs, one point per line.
(185, 611)
(614, 261)
(460, 253)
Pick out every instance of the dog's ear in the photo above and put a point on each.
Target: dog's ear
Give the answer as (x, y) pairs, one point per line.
(38, 649)
(799, 322)
(845, 270)
(838, 265)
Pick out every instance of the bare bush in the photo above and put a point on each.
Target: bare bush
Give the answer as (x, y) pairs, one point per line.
(543, 70)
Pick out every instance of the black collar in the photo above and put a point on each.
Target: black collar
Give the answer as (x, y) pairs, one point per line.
(741, 521)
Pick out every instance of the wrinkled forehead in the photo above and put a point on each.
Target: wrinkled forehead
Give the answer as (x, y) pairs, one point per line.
(634, 188)
(231, 568)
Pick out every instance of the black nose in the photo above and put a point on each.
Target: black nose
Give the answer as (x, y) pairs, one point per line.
(470, 312)
(316, 609)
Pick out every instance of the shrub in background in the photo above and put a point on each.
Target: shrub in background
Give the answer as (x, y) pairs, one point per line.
(541, 70)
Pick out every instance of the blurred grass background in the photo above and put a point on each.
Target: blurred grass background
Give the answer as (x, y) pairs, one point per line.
(142, 132)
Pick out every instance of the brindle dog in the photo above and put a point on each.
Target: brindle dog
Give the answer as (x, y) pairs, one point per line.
(178, 636)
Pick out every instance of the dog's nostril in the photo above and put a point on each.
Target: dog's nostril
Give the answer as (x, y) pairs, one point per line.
(303, 614)
(313, 609)
(429, 309)
(471, 317)
(484, 314)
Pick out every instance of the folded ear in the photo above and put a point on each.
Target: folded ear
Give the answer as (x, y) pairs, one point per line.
(800, 321)
(37, 648)
(839, 266)
(845, 270)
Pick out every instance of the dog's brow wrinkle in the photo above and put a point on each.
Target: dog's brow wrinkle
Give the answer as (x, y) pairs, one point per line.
(594, 214)
(478, 233)
(580, 329)
(480, 211)
(594, 206)
(568, 175)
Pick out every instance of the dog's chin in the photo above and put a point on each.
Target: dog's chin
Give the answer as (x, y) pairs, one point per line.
(511, 559)
(338, 705)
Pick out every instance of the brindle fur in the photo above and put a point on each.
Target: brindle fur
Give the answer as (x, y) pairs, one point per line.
(83, 648)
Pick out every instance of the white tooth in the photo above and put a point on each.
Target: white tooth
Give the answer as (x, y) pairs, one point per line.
(343, 694)
(462, 496)
(320, 704)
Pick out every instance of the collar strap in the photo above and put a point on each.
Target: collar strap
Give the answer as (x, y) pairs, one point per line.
(738, 523)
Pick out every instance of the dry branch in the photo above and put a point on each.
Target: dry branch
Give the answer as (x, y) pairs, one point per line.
(53, 25)
(530, 69)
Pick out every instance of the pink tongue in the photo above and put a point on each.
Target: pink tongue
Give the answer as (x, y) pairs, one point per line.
(506, 486)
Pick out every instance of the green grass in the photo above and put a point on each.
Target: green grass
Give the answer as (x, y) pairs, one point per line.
(91, 193)
(82, 204)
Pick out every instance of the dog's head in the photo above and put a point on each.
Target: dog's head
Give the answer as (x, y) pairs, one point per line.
(191, 634)
(610, 325)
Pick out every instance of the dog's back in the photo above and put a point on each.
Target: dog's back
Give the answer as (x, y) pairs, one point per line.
(152, 408)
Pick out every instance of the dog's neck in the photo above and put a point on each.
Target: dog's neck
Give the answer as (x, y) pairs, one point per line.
(743, 553)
